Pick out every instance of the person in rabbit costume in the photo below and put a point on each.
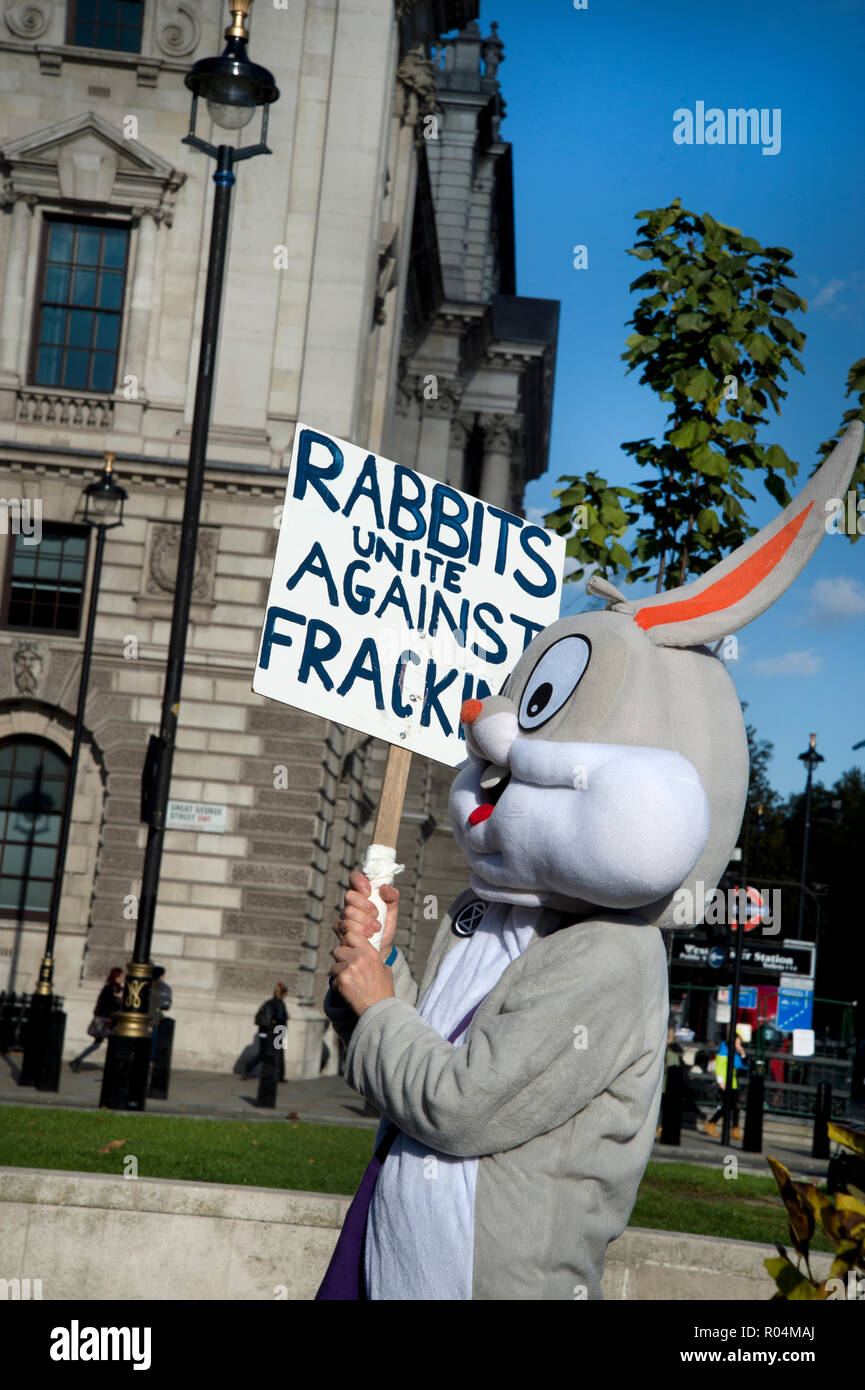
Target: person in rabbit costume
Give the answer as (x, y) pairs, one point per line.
(521, 1081)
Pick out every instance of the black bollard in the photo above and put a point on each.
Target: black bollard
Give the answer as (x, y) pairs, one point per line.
(160, 1067)
(269, 1071)
(51, 1060)
(822, 1116)
(32, 1038)
(753, 1141)
(671, 1106)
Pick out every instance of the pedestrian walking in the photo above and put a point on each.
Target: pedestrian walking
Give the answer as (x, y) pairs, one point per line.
(160, 1003)
(102, 1022)
(739, 1064)
(271, 1014)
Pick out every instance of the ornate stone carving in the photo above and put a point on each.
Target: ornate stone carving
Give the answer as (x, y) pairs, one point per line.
(179, 32)
(439, 395)
(492, 52)
(386, 276)
(161, 572)
(27, 19)
(416, 94)
(27, 663)
(501, 433)
(461, 428)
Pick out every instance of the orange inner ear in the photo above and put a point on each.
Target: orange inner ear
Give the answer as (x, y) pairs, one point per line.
(733, 587)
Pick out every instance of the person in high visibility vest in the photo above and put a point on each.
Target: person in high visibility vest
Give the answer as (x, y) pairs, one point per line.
(739, 1064)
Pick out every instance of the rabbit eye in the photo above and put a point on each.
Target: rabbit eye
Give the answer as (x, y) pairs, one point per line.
(553, 680)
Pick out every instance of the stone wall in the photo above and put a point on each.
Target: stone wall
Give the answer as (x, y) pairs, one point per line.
(214, 1241)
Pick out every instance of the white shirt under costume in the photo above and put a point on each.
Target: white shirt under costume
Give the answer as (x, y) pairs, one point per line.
(420, 1231)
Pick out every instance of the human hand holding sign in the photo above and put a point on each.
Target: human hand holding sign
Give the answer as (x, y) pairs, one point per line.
(359, 973)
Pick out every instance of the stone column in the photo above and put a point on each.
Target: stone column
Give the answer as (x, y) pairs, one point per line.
(141, 299)
(496, 469)
(435, 431)
(459, 434)
(12, 311)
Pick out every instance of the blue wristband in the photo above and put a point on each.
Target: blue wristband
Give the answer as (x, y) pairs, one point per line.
(392, 957)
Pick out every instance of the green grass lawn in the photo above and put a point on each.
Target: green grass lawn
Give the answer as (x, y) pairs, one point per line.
(686, 1197)
(312, 1158)
(331, 1158)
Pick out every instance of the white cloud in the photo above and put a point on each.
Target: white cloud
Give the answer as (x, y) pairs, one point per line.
(833, 600)
(806, 663)
(838, 296)
(827, 294)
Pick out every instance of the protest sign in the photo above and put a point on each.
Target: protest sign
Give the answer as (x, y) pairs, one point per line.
(394, 599)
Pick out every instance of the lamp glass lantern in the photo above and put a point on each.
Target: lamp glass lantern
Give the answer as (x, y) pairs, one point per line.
(104, 499)
(232, 85)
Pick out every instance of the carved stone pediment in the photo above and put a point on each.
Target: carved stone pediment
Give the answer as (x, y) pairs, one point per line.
(87, 160)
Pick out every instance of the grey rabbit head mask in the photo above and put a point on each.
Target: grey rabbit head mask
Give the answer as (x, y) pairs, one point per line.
(612, 770)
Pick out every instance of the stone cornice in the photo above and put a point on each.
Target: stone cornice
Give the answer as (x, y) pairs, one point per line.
(52, 56)
(137, 469)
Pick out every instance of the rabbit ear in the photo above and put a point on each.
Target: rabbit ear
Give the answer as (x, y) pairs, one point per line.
(742, 586)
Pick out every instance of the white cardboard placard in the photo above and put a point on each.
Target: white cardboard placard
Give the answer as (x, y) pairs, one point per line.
(394, 597)
(803, 1042)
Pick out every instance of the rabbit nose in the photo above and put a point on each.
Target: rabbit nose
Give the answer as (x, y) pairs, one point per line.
(491, 727)
(470, 711)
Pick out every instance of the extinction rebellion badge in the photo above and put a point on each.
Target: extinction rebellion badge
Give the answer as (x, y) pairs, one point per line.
(469, 918)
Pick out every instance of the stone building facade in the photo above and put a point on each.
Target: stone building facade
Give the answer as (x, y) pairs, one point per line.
(370, 291)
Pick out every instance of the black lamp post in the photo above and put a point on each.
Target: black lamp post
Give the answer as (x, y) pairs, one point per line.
(43, 1045)
(812, 759)
(233, 88)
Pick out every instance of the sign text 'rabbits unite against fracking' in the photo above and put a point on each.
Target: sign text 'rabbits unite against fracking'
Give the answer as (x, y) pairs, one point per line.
(394, 597)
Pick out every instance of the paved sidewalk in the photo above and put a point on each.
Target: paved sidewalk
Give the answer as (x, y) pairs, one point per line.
(205, 1094)
(329, 1100)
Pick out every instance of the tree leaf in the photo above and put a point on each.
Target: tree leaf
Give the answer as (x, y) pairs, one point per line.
(850, 1138)
(693, 432)
(759, 347)
(699, 384)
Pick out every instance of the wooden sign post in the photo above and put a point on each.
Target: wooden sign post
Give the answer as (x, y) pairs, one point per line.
(379, 863)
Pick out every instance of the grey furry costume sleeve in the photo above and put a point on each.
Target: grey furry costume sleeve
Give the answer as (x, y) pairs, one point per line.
(576, 1011)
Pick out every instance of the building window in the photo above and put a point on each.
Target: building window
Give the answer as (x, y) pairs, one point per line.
(45, 582)
(33, 777)
(80, 305)
(106, 24)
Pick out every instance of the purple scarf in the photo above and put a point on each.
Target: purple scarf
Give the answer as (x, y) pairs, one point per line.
(344, 1279)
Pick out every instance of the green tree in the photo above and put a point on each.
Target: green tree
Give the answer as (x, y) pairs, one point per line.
(711, 330)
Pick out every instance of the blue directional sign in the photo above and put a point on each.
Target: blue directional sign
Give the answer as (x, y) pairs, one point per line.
(795, 1009)
(717, 956)
(748, 997)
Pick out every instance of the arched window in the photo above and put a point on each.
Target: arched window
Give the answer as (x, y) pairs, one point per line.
(33, 777)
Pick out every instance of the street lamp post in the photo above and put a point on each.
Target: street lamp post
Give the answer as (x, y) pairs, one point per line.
(43, 1044)
(233, 88)
(812, 759)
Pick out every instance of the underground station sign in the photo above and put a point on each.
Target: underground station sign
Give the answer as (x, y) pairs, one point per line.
(763, 960)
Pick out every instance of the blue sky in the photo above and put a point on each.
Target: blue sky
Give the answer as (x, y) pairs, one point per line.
(590, 97)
